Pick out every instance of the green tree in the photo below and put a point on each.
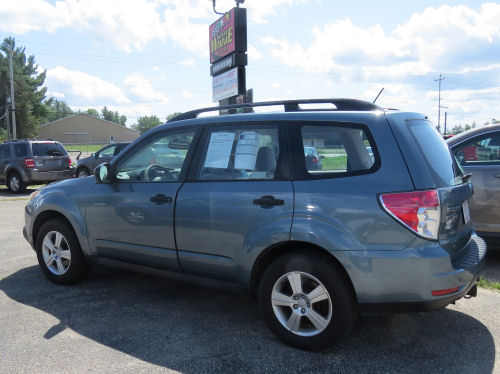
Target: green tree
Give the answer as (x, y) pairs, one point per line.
(111, 116)
(57, 109)
(146, 123)
(92, 112)
(173, 115)
(29, 92)
(457, 129)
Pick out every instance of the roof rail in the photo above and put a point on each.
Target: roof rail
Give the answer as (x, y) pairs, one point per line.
(289, 106)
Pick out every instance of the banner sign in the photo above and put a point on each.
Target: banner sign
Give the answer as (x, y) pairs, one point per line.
(228, 62)
(228, 34)
(225, 85)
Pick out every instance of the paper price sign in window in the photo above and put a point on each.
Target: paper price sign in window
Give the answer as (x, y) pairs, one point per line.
(246, 150)
(219, 150)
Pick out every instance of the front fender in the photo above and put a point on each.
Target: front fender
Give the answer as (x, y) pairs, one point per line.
(67, 201)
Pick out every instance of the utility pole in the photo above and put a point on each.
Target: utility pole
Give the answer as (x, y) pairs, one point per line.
(441, 78)
(7, 119)
(445, 120)
(13, 108)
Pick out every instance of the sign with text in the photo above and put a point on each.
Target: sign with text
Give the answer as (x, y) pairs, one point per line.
(228, 62)
(225, 85)
(228, 34)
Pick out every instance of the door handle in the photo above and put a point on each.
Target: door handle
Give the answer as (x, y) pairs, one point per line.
(160, 199)
(497, 176)
(268, 200)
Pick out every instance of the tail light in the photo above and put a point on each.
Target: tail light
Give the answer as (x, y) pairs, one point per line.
(419, 211)
(29, 162)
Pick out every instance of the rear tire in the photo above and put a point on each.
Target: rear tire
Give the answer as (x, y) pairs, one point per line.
(59, 254)
(307, 301)
(15, 183)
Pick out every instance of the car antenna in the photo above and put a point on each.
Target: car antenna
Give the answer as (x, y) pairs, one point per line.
(378, 95)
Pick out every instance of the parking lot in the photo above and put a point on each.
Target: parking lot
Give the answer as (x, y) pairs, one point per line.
(123, 322)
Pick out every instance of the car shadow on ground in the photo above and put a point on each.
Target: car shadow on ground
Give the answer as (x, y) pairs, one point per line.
(194, 329)
(5, 193)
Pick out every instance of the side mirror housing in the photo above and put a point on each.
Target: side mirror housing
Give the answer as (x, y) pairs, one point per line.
(102, 173)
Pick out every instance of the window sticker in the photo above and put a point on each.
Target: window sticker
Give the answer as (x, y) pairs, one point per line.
(219, 150)
(246, 150)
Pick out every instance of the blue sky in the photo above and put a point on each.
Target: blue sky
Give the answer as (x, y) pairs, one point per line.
(145, 57)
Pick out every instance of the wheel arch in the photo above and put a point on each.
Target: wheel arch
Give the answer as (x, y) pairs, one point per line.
(46, 216)
(271, 253)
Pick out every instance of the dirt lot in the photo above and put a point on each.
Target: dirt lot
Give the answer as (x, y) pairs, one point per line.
(122, 322)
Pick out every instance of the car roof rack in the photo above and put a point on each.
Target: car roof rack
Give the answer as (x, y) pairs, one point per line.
(289, 106)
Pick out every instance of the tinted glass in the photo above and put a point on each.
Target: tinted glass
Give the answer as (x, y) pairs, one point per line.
(479, 150)
(336, 149)
(158, 161)
(48, 149)
(4, 150)
(239, 154)
(436, 152)
(21, 150)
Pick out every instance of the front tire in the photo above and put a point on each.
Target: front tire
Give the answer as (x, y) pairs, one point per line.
(307, 301)
(59, 254)
(15, 183)
(82, 172)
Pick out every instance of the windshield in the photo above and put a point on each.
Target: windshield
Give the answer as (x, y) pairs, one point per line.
(48, 149)
(436, 152)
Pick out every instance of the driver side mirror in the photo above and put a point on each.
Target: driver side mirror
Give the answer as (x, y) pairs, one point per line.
(102, 173)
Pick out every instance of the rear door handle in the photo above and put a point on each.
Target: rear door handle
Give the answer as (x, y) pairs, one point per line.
(268, 200)
(497, 176)
(160, 199)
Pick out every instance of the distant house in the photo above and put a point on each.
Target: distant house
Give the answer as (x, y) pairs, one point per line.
(86, 129)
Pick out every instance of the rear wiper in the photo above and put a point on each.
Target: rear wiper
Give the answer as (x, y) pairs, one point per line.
(56, 153)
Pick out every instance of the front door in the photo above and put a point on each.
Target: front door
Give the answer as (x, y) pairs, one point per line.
(480, 157)
(238, 202)
(132, 218)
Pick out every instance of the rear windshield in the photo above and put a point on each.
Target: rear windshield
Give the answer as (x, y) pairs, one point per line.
(436, 153)
(48, 149)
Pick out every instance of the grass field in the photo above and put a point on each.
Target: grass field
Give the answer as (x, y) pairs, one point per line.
(89, 148)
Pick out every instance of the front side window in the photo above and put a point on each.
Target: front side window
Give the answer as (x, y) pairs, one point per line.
(240, 153)
(336, 149)
(108, 152)
(479, 150)
(161, 160)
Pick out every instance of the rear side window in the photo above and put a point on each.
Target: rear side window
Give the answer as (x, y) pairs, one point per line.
(436, 152)
(21, 150)
(337, 150)
(241, 153)
(48, 149)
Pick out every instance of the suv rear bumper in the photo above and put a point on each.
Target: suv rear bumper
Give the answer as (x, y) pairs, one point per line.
(404, 281)
(33, 175)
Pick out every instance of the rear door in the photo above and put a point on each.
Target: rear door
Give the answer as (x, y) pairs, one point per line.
(104, 155)
(49, 156)
(480, 156)
(238, 201)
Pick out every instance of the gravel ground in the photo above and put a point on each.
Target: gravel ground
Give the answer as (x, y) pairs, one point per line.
(122, 322)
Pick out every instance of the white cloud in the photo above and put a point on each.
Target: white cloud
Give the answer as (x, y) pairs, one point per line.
(438, 38)
(276, 85)
(253, 53)
(187, 94)
(84, 88)
(141, 89)
(188, 62)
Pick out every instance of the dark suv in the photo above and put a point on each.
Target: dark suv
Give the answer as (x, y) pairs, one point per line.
(384, 224)
(25, 162)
